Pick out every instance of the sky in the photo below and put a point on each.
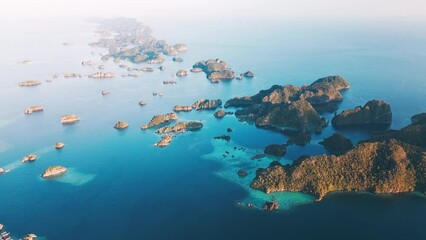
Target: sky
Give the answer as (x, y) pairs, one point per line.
(213, 8)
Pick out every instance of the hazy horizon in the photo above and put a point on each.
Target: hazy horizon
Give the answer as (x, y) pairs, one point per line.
(223, 8)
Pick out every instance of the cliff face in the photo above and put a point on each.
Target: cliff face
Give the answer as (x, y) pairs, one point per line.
(389, 166)
(373, 112)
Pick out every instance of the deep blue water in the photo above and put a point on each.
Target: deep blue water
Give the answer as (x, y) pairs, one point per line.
(119, 186)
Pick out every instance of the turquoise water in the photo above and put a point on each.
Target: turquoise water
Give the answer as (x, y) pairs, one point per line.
(119, 186)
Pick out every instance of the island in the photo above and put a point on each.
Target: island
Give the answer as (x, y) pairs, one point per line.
(69, 118)
(215, 70)
(181, 127)
(59, 145)
(291, 109)
(160, 119)
(181, 108)
(32, 109)
(206, 104)
(120, 125)
(337, 144)
(165, 141)
(29, 158)
(390, 163)
(101, 75)
(182, 73)
(30, 236)
(374, 112)
(126, 38)
(53, 171)
(29, 83)
(276, 150)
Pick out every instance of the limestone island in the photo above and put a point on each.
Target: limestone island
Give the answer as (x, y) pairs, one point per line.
(215, 69)
(291, 109)
(32, 109)
(221, 113)
(165, 141)
(29, 158)
(206, 104)
(393, 162)
(160, 119)
(129, 39)
(142, 103)
(180, 108)
(374, 112)
(181, 127)
(337, 144)
(53, 171)
(29, 83)
(121, 125)
(276, 150)
(69, 118)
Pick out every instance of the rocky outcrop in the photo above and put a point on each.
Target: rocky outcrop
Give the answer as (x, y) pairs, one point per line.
(181, 127)
(220, 113)
(276, 150)
(53, 171)
(165, 141)
(142, 103)
(180, 47)
(388, 166)
(248, 74)
(216, 70)
(29, 158)
(242, 173)
(121, 125)
(374, 112)
(30, 236)
(101, 75)
(59, 145)
(147, 69)
(160, 119)
(29, 83)
(69, 118)
(177, 59)
(182, 73)
(32, 109)
(196, 70)
(223, 137)
(271, 206)
(337, 143)
(206, 104)
(180, 108)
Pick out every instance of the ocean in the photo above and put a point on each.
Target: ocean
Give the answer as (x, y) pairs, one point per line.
(120, 186)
